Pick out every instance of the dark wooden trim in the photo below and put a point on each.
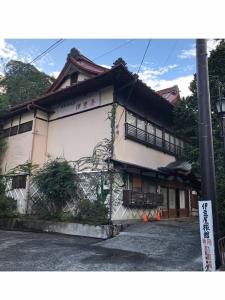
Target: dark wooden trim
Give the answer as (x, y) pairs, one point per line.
(41, 119)
(80, 112)
(152, 145)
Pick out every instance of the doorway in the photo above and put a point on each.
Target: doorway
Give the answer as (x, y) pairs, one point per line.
(175, 204)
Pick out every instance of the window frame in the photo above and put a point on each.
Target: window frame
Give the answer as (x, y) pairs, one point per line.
(19, 181)
(26, 130)
(157, 140)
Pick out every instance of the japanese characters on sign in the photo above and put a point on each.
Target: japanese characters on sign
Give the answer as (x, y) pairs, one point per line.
(206, 233)
(76, 105)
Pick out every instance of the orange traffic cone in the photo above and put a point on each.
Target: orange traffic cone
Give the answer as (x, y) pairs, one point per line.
(145, 218)
(158, 218)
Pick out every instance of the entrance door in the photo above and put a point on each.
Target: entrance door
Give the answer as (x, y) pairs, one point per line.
(175, 203)
(172, 203)
(183, 204)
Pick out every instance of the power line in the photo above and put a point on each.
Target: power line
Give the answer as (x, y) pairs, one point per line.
(132, 86)
(118, 47)
(49, 49)
(170, 54)
(149, 42)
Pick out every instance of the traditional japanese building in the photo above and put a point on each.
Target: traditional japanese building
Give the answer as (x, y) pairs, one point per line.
(89, 106)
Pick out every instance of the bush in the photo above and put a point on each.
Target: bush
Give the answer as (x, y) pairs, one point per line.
(56, 183)
(8, 206)
(95, 213)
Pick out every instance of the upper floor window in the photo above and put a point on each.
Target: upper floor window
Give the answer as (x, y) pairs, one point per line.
(74, 77)
(24, 127)
(131, 119)
(150, 134)
(14, 130)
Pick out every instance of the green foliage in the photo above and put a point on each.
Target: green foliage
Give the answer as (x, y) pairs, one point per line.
(94, 213)
(26, 168)
(56, 183)
(23, 82)
(7, 204)
(186, 124)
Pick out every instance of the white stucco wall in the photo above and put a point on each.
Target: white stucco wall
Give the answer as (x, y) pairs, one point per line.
(18, 147)
(76, 136)
(40, 142)
(18, 150)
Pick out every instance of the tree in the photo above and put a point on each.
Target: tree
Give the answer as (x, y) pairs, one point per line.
(22, 82)
(56, 183)
(186, 124)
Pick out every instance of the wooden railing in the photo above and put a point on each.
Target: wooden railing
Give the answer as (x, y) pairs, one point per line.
(141, 200)
(149, 139)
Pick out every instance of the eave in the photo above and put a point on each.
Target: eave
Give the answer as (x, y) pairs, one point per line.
(117, 76)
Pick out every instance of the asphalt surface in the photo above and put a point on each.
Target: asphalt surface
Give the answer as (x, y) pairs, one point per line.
(153, 246)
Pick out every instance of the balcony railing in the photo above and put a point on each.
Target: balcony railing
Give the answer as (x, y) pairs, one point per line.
(149, 139)
(136, 199)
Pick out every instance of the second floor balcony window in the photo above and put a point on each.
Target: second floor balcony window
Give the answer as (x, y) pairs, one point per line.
(147, 133)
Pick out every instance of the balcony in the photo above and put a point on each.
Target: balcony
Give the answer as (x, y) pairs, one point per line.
(148, 139)
(134, 199)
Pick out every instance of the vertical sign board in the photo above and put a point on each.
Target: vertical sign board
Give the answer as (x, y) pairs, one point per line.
(206, 234)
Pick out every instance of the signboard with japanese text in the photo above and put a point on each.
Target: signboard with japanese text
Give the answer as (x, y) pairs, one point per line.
(73, 106)
(206, 234)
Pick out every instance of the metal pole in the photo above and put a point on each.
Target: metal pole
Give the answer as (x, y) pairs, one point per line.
(223, 134)
(208, 181)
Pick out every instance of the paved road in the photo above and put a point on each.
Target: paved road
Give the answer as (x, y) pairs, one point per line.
(154, 246)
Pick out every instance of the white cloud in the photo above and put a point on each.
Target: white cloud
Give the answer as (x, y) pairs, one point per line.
(7, 51)
(152, 78)
(55, 74)
(191, 52)
(188, 53)
(183, 83)
(149, 72)
(26, 55)
(106, 66)
(212, 44)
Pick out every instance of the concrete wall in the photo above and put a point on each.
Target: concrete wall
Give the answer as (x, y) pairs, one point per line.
(134, 152)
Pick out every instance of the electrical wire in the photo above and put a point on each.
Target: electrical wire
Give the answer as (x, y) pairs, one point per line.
(146, 50)
(171, 52)
(49, 49)
(132, 86)
(110, 51)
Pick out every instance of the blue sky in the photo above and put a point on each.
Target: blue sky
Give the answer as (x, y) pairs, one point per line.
(167, 62)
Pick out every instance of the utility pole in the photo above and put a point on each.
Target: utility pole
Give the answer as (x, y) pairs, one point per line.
(208, 206)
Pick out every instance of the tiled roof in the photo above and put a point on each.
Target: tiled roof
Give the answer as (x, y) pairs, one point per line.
(171, 94)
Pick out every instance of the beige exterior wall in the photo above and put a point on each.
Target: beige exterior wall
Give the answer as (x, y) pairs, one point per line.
(7, 124)
(18, 150)
(40, 142)
(65, 84)
(82, 77)
(18, 147)
(106, 95)
(76, 136)
(133, 152)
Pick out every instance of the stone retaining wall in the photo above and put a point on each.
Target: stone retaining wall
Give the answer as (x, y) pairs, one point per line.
(100, 231)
